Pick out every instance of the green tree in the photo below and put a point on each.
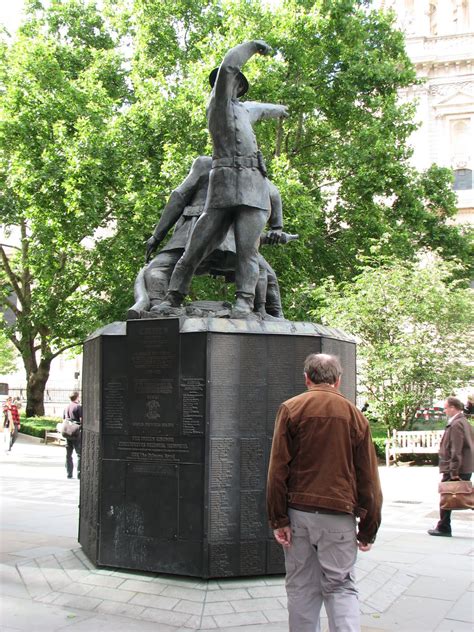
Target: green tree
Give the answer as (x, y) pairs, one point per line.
(8, 355)
(341, 160)
(61, 89)
(102, 113)
(414, 327)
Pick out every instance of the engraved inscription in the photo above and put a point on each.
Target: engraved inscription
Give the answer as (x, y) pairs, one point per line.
(253, 408)
(280, 366)
(153, 362)
(253, 360)
(252, 464)
(251, 516)
(220, 563)
(224, 409)
(155, 352)
(224, 359)
(153, 448)
(114, 404)
(222, 470)
(252, 560)
(222, 523)
(192, 390)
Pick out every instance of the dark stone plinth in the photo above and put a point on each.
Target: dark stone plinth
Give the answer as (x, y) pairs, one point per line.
(178, 422)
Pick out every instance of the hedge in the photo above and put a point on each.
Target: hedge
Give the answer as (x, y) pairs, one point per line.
(35, 426)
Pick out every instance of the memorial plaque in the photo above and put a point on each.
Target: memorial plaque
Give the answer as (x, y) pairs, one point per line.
(178, 425)
(153, 352)
(193, 384)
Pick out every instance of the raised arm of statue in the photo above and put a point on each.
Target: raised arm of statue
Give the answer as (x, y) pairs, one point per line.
(232, 63)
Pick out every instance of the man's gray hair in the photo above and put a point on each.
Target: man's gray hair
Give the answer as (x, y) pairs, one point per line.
(322, 368)
(455, 403)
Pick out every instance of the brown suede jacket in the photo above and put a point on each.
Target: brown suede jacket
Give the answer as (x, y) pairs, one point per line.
(323, 457)
(456, 450)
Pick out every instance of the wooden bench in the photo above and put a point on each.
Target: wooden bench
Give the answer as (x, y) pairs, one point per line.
(412, 442)
(54, 436)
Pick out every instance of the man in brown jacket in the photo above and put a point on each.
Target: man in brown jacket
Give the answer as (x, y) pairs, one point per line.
(456, 456)
(322, 474)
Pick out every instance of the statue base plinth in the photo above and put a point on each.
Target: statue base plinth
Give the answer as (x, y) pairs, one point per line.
(178, 422)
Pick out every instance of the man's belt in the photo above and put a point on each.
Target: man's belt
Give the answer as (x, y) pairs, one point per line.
(242, 162)
(317, 510)
(193, 210)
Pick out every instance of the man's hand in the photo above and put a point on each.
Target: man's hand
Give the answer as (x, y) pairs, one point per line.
(151, 246)
(364, 547)
(283, 536)
(273, 236)
(263, 48)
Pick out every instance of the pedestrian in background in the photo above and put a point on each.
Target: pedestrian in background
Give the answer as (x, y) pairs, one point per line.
(11, 419)
(74, 413)
(322, 475)
(456, 456)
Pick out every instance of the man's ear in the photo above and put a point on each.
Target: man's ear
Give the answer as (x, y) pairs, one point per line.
(337, 383)
(307, 381)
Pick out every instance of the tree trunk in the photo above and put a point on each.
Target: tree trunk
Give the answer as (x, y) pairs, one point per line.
(35, 387)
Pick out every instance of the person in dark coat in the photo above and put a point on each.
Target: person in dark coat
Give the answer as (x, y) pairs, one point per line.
(74, 413)
(456, 456)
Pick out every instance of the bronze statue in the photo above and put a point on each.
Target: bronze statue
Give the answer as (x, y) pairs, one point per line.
(184, 207)
(238, 194)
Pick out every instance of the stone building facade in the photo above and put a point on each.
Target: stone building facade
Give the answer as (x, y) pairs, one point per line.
(440, 42)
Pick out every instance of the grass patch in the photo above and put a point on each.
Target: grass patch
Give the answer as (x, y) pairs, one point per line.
(35, 426)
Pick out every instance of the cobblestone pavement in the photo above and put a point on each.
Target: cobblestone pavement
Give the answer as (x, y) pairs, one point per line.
(408, 582)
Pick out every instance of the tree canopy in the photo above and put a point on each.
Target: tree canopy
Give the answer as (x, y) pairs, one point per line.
(414, 326)
(102, 112)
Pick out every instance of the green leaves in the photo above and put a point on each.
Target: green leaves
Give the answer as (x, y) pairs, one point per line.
(413, 322)
(102, 112)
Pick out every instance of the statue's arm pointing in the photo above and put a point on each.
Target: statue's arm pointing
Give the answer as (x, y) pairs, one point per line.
(232, 63)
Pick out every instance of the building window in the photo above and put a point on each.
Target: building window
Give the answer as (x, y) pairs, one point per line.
(462, 179)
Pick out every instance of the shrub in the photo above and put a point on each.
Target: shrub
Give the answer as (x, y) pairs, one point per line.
(379, 444)
(35, 426)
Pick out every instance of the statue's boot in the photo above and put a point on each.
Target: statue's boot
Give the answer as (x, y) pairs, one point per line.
(243, 307)
(170, 305)
(273, 305)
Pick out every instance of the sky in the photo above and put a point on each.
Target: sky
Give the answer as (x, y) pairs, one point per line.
(10, 13)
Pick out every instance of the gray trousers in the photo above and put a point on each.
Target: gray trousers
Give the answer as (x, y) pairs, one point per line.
(320, 569)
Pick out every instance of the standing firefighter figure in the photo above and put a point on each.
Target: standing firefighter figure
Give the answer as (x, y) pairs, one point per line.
(238, 192)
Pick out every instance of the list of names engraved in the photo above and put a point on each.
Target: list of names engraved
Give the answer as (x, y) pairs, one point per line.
(252, 512)
(252, 558)
(114, 404)
(220, 564)
(224, 359)
(222, 518)
(223, 463)
(192, 393)
(252, 464)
